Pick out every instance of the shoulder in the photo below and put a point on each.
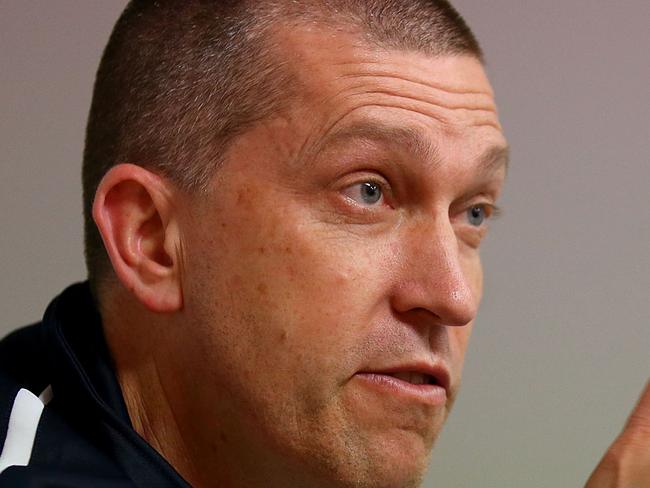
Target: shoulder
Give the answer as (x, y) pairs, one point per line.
(23, 377)
(23, 366)
(39, 445)
(23, 359)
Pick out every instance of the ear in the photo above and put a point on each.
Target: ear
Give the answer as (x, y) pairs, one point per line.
(134, 212)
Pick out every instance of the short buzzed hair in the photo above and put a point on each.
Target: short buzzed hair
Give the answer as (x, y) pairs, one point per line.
(180, 79)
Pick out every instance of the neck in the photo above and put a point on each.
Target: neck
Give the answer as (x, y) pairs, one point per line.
(151, 367)
(153, 418)
(136, 351)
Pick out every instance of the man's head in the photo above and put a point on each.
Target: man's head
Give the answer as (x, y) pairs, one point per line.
(179, 80)
(306, 296)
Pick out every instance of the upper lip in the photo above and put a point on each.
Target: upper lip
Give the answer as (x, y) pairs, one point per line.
(439, 371)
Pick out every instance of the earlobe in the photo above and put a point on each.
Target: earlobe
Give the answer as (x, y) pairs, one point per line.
(134, 214)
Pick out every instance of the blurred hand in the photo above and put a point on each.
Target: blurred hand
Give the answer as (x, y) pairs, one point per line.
(626, 464)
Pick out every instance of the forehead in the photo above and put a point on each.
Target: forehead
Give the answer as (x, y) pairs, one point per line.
(317, 53)
(351, 89)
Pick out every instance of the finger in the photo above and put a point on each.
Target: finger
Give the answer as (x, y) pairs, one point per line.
(627, 461)
(637, 428)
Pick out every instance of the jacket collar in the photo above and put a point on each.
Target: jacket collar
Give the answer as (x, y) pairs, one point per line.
(85, 386)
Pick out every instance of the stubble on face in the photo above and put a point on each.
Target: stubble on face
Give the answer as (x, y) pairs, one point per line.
(292, 288)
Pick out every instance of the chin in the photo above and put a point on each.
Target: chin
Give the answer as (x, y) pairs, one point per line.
(408, 474)
(381, 451)
(401, 465)
(396, 476)
(396, 460)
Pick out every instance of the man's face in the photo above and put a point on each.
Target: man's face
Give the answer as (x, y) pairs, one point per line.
(334, 267)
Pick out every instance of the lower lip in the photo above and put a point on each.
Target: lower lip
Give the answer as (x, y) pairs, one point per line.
(434, 395)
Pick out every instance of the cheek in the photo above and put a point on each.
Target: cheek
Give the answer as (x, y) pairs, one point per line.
(287, 288)
(282, 304)
(319, 290)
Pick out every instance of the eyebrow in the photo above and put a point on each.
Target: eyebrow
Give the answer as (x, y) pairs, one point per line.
(414, 142)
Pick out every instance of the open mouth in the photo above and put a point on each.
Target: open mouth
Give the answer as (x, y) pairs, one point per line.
(407, 385)
(415, 378)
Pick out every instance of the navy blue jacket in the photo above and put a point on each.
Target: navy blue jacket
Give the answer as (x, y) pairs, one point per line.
(63, 421)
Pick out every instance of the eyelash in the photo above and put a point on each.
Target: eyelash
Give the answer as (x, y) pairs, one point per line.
(497, 212)
(493, 212)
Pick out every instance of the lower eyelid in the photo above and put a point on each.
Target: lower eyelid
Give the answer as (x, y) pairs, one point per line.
(472, 233)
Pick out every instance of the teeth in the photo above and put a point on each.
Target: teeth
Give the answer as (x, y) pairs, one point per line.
(414, 378)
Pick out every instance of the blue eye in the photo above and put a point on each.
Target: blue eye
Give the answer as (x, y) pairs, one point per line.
(370, 192)
(476, 215)
(367, 193)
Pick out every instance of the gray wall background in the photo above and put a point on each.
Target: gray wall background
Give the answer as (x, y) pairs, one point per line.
(561, 349)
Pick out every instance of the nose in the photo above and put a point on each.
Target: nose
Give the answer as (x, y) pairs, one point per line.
(435, 280)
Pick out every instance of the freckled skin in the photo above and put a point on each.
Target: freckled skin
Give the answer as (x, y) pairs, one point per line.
(290, 288)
